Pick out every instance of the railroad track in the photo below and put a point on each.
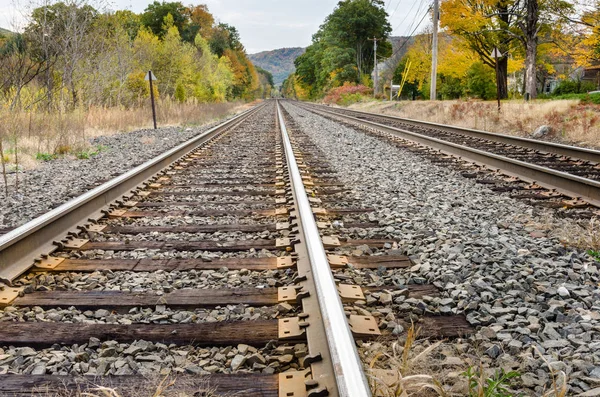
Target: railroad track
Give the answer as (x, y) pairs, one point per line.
(565, 176)
(236, 263)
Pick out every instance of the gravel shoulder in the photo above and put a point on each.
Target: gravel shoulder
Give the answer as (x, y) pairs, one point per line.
(55, 182)
(533, 301)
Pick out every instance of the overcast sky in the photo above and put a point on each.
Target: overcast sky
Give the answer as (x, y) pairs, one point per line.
(263, 24)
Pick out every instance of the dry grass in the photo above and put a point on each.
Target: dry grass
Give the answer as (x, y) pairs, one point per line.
(571, 121)
(583, 234)
(167, 386)
(25, 135)
(559, 379)
(411, 369)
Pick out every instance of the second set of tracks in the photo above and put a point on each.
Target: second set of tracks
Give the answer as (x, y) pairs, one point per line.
(556, 174)
(221, 270)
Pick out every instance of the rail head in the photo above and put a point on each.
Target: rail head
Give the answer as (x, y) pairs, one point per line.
(349, 375)
(20, 247)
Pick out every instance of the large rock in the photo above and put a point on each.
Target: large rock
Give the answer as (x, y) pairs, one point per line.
(541, 131)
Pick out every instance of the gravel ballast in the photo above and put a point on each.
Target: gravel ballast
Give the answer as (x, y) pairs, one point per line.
(523, 291)
(55, 182)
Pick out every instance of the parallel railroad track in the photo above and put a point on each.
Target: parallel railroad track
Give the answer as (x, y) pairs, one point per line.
(232, 261)
(569, 175)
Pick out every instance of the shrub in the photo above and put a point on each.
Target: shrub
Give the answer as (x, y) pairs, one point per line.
(584, 98)
(347, 94)
(87, 154)
(480, 81)
(180, 93)
(573, 87)
(451, 87)
(61, 150)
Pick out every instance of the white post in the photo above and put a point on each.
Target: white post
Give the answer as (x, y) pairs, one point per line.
(376, 71)
(434, 51)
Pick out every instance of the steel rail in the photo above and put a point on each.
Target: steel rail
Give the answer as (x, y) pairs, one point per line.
(549, 147)
(349, 375)
(568, 184)
(20, 247)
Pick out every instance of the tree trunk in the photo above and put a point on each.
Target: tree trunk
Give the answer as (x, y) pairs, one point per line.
(530, 69)
(531, 42)
(502, 78)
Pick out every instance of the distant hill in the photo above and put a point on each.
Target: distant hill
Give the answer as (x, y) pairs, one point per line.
(279, 62)
(5, 32)
(400, 44)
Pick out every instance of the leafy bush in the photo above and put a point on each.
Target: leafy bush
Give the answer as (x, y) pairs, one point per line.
(480, 81)
(349, 99)
(584, 98)
(573, 87)
(594, 254)
(451, 87)
(180, 93)
(347, 94)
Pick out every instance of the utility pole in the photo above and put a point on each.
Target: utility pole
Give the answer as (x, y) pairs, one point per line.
(434, 51)
(376, 81)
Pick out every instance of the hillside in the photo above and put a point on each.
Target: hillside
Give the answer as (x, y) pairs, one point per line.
(5, 32)
(279, 62)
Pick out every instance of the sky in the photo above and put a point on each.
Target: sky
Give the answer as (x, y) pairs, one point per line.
(263, 24)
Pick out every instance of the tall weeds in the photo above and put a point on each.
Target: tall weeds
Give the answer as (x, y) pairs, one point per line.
(25, 136)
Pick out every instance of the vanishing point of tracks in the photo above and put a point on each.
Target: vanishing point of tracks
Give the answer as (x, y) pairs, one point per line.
(212, 267)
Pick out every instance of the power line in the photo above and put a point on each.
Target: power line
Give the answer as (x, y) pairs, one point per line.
(407, 14)
(395, 9)
(411, 34)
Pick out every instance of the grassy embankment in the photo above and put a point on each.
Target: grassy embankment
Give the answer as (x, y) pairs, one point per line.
(572, 120)
(28, 138)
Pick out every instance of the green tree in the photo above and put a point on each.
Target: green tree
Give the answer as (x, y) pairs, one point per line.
(225, 37)
(352, 24)
(341, 50)
(154, 16)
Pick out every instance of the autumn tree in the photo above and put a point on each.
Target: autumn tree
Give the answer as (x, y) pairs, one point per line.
(588, 48)
(74, 55)
(454, 59)
(201, 21)
(484, 25)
